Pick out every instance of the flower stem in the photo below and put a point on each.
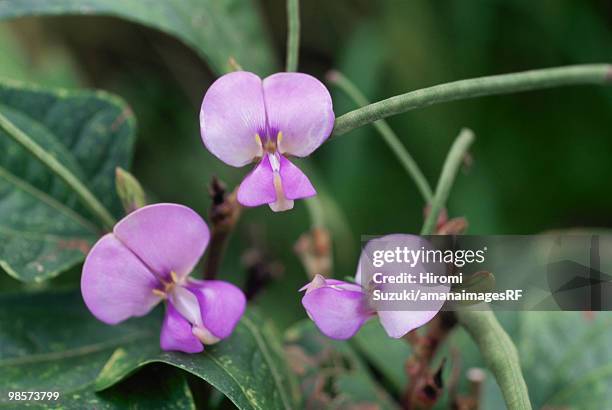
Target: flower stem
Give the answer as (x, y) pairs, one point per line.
(85, 196)
(223, 215)
(475, 87)
(423, 382)
(499, 354)
(392, 140)
(293, 34)
(493, 342)
(447, 177)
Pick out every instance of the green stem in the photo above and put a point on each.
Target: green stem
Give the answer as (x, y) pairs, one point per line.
(499, 354)
(84, 194)
(388, 135)
(447, 177)
(293, 34)
(315, 212)
(475, 87)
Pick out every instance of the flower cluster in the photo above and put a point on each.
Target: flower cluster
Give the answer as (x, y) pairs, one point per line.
(150, 253)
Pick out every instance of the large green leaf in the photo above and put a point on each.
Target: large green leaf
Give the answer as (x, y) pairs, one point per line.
(216, 29)
(36, 353)
(44, 229)
(331, 374)
(249, 367)
(50, 342)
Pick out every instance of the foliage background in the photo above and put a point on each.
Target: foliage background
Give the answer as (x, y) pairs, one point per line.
(541, 160)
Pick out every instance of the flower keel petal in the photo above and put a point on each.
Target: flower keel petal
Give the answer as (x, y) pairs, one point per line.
(176, 333)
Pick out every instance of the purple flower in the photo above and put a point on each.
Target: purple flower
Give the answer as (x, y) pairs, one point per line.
(146, 259)
(339, 308)
(244, 119)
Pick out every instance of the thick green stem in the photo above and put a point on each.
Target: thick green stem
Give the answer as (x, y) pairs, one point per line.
(494, 343)
(293, 34)
(475, 87)
(499, 354)
(388, 135)
(447, 177)
(84, 194)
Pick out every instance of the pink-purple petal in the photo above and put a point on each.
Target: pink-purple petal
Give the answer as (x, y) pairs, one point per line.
(257, 188)
(115, 284)
(344, 285)
(222, 305)
(398, 323)
(299, 106)
(338, 313)
(176, 333)
(166, 237)
(187, 304)
(295, 184)
(232, 113)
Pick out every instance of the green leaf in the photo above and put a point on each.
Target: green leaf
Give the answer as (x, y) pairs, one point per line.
(44, 229)
(331, 374)
(217, 30)
(248, 367)
(50, 342)
(566, 358)
(385, 354)
(156, 387)
(83, 354)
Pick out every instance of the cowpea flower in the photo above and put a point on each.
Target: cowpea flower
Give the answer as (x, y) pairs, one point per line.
(340, 308)
(246, 119)
(146, 259)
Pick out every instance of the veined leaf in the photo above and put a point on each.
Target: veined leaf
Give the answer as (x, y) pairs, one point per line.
(44, 229)
(249, 367)
(50, 342)
(331, 374)
(217, 30)
(567, 358)
(84, 354)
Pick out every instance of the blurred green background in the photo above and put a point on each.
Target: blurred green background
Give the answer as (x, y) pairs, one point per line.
(542, 160)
